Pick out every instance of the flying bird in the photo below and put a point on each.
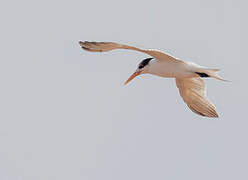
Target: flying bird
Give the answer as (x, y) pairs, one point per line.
(188, 75)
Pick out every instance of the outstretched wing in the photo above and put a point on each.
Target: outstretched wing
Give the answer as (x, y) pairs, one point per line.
(193, 92)
(109, 46)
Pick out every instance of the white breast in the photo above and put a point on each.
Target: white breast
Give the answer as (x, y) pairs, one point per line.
(177, 69)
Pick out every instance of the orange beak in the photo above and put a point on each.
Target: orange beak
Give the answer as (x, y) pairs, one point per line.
(136, 73)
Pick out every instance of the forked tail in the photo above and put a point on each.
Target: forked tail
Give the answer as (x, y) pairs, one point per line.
(211, 73)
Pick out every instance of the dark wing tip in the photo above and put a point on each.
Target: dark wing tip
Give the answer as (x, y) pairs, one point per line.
(84, 46)
(81, 43)
(90, 46)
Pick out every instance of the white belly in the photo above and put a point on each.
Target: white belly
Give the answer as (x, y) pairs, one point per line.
(170, 69)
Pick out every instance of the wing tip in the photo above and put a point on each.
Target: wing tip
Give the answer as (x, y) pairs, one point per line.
(208, 111)
(213, 114)
(87, 45)
(82, 44)
(209, 115)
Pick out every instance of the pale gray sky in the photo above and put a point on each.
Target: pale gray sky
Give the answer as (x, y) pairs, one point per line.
(65, 113)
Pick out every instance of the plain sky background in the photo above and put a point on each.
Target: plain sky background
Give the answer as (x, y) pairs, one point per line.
(65, 113)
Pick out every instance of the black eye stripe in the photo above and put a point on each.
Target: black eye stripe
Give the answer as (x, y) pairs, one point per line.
(144, 62)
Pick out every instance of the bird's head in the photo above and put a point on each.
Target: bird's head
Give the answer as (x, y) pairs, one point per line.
(142, 68)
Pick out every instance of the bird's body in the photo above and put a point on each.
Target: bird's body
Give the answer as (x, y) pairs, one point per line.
(177, 69)
(188, 75)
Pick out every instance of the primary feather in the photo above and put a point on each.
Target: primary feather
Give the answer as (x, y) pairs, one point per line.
(193, 92)
(109, 46)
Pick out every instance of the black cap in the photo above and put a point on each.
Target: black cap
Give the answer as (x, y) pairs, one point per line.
(144, 63)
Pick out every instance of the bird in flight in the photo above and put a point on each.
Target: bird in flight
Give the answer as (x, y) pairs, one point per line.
(188, 75)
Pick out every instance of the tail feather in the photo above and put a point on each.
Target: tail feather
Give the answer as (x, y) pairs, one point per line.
(214, 74)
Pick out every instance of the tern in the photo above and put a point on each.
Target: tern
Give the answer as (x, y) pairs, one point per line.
(188, 75)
